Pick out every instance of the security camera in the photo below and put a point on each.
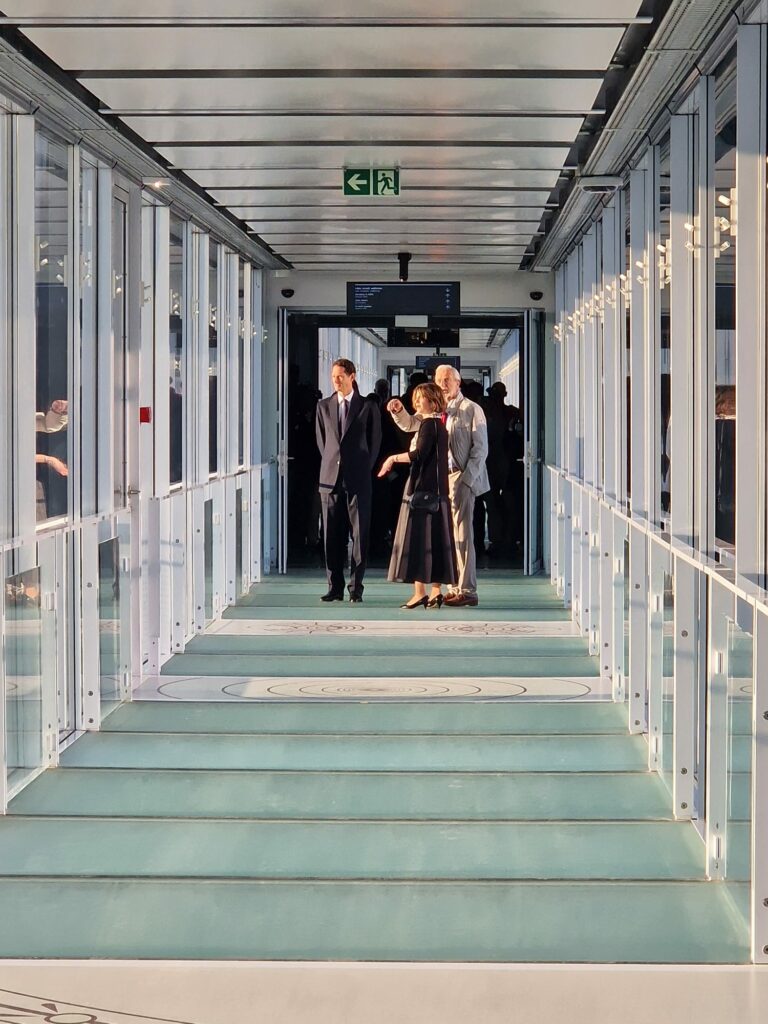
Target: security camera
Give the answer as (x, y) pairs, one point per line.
(403, 258)
(537, 296)
(287, 293)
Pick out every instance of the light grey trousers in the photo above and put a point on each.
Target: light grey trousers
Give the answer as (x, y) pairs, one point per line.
(463, 507)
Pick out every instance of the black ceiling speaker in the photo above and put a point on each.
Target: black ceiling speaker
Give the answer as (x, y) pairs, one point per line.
(404, 258)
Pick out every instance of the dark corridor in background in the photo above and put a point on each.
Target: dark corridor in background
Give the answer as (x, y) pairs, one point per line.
(499, 519)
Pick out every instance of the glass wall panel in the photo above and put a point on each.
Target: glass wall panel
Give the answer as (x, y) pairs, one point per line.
(213, 358)
(238, 541)
(724, 409)
(120, 342)
(240, 363)
(176, 338)
(739, 826)
(23, 663)
(208, 558)
(627, 601)
(663, 277)
(625, 278)
(668, 688)
(110, 674)
(88, 205)
(53, 270)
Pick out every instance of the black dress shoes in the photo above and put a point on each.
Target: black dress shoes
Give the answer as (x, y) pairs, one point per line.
(356, 597)
(332, 595)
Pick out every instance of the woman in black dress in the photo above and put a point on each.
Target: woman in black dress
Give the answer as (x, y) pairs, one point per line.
(423, 551)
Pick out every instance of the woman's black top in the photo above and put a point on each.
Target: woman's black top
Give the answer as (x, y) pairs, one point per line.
(429, 459)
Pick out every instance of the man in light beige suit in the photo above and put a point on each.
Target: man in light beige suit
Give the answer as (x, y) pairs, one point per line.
(467, 475)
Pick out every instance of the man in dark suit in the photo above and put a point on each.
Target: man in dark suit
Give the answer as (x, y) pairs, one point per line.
(348, 436)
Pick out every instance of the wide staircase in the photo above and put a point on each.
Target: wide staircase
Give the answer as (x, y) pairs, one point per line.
(361, 783)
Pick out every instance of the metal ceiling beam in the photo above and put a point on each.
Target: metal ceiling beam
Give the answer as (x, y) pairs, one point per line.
(202, 21)
(502, 74)
(288, 112)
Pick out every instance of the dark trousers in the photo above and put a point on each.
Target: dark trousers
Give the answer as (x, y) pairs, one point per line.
(343, 514)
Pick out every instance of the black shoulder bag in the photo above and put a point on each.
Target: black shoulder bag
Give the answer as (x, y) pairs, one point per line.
(428, 501)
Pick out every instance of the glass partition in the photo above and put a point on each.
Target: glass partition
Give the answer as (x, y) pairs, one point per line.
(666, 753)
(241, 390)
(176, 338)
(725, 333)
(110, 626)
(663, 277)
(88, 331)
(213, 358)
(23, 664)
(120, 341)
(739, 768)
(238, 542)
(53, 269)
(208, 558)
(627, 602)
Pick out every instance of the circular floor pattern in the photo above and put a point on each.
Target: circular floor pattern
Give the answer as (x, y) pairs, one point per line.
(375, 690)
(211, 688)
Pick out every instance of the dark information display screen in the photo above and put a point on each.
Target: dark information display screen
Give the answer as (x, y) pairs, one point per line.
(420, 298)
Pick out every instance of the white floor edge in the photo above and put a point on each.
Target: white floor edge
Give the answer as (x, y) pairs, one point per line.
(205, 992)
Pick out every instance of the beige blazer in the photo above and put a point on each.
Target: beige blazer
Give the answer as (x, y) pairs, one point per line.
(467, 441)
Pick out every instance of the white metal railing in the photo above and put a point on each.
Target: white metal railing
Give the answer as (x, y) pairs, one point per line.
(686, 648)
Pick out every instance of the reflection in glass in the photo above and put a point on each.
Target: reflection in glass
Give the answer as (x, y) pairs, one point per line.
(664, 277)
(213, 358)
(739, 827)
(208, 558)
(725, 334)
(53, 270)
(23, 663)
(240, 363)
(110, 662)
(668, 680)
(177, 298)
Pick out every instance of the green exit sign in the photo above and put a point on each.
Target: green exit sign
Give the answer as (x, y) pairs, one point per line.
(371, 181)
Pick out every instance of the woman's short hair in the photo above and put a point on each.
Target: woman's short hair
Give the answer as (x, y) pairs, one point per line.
(433, 395)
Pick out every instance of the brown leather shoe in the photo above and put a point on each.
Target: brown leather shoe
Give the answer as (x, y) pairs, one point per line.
(461, 600)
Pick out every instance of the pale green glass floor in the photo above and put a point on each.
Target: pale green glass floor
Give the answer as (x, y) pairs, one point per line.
(433, 717)
(684, 922)
(466, 830)
(350, 850)
(220, 794)
(330, 752)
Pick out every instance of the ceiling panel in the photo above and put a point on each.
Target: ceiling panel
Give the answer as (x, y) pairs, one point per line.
(373, 129)
(393, 156)
(479, 109)
(345, 93)
(415, 49)
(243, 199)
(331, 177)
(330, 8)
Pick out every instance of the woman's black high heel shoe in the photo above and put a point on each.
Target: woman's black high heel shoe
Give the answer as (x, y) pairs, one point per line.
(421, 603)
(435, 602)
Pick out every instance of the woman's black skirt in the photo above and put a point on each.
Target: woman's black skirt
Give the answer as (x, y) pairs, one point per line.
(423, 548)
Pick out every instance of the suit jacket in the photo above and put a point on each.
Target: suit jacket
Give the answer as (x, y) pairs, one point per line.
(348, 459)
(467, 441)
